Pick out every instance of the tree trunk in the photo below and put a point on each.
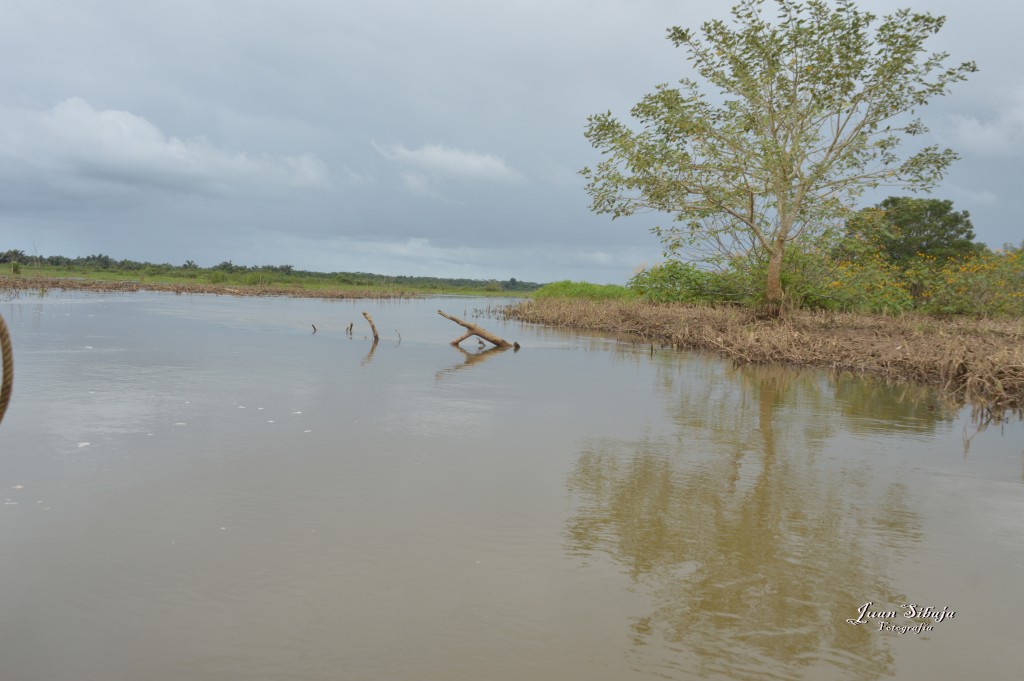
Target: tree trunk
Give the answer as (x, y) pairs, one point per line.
(773, 284)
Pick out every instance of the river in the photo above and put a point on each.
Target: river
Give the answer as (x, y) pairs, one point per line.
(200, 487)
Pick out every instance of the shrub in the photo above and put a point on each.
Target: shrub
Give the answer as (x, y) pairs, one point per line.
(988, 283)
(676, 281)
(869, 284)
(582, 289)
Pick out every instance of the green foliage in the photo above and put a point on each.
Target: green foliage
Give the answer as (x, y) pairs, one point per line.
(905, 227)
(14, 256)
(806, 271)
(105, 267)
(805, 278)
(257, 279)
(803, 115)
(860, 277)
(582, 289)
(676, 281)
(870, 283)
(978, 283)
(982, 283)
(100, 261)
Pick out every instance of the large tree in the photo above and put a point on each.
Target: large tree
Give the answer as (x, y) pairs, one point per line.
(791, 120)
(904, 226)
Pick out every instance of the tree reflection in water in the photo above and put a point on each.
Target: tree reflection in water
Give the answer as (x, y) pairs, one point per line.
(753, 546)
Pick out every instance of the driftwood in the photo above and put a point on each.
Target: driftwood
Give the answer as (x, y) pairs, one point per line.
(474, 330)
(373, 327)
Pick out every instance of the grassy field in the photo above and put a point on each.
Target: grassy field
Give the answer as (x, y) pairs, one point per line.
(247, 281)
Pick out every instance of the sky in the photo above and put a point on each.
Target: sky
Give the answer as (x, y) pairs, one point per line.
(438, 138)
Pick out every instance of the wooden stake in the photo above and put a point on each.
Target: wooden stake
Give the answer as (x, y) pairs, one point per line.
(474, 330)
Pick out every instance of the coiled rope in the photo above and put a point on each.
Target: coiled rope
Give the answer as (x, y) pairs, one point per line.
(8, 368)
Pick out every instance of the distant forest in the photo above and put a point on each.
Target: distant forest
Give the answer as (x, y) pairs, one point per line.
(228, 271)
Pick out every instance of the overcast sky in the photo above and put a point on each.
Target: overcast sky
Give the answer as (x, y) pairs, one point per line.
(437, 138)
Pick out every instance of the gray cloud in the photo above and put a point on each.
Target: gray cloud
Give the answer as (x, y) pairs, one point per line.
(441, 161)
(998, 132)
(84, 149)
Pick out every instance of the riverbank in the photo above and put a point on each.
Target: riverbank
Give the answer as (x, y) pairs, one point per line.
(17, 284)
(977, 361)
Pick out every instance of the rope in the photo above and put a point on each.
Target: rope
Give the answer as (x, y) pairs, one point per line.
(8, 368)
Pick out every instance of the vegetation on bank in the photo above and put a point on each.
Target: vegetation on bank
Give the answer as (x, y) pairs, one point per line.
(790, 112)
(974, 360)
(903, 255)
(16, 263)
(854, 275)
(758, 159)
(583, 290)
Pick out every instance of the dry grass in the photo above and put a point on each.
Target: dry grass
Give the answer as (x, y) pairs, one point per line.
(976, 361)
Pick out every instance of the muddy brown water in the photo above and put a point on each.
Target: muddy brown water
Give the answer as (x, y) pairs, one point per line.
(198, 487)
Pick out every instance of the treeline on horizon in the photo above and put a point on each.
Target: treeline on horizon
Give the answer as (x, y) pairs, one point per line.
(258, 275)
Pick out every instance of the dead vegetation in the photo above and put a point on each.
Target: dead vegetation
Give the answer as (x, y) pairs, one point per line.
(976, 361)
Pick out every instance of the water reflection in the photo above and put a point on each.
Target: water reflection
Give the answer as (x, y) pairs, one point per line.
(369, 355)
(875, 406)
(750, 549)
(471, 358)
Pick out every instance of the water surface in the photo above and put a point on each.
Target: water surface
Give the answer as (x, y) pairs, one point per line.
(199, 487)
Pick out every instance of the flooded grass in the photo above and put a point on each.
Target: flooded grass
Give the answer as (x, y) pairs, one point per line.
(977, 361)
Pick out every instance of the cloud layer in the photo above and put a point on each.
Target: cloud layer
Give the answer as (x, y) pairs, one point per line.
(436, 138)
(75, 146)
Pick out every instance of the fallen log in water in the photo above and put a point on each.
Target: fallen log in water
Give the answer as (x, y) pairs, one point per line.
(474, 330)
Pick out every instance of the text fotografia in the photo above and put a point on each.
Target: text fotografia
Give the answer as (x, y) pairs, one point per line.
(910, 611)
